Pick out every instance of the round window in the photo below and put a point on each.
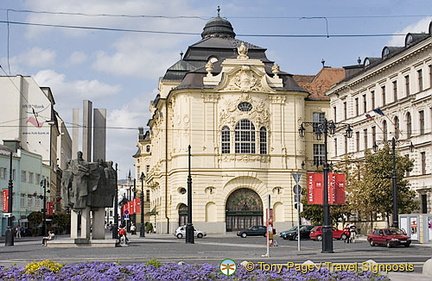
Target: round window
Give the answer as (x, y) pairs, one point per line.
(244, 106)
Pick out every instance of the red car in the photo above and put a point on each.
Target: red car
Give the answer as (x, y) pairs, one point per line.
(316, 233)
(389, 237)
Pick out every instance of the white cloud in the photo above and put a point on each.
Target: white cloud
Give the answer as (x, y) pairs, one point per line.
(77, 58)
(418, 27)
(133, 57)
(36, 57)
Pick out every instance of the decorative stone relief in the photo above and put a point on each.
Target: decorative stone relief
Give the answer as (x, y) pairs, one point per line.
(210, 97)
(242, 51)
(230, 114)
(209, 68)
(245, 80)
(275, 70)
(246, 158)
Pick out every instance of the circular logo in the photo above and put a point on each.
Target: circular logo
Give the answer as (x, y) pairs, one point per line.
(228, 267)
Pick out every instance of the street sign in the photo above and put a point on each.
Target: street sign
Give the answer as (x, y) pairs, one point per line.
(297, 189)
(296, 177)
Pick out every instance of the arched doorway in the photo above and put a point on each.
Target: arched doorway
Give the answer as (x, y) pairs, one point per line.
(244, 208)
(182, 213)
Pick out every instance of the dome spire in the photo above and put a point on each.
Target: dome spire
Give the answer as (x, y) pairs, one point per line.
(218, 27)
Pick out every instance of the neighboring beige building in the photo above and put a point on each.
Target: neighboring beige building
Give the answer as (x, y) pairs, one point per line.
(399, 83)
(240, 114)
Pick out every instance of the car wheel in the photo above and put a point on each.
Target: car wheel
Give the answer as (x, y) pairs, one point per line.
(388, 244)
(372, 243)
(285, 237)
(199, 235)
(179, 236)
(295, 237)
(407, 245)
(243, 235)
(343, 237)
(319, 237)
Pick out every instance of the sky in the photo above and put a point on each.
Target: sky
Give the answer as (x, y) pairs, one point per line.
(113, 52)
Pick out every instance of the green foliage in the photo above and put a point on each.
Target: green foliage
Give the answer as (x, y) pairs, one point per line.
(369, 188)
(154, 262)
(148, 227)
(35, 218)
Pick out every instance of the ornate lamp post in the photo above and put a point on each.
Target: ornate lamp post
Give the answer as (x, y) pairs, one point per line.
(142, 227)
(44, 185)
(394, 179)
(324, 128)
(189, 226)
(9, 241)
(115, 227)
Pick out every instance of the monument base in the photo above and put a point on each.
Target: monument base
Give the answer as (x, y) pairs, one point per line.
(82, 242)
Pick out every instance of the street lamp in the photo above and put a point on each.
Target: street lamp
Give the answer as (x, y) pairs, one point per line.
(115, 227)
(44, 184)
(324, 128)
(394, 179)
(9, 241)
(189, 226)
(142, 228)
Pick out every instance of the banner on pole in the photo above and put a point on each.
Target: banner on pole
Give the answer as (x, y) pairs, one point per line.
(5, 199)
(336, 188)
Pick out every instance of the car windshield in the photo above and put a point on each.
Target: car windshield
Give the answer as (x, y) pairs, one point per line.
(393, 232)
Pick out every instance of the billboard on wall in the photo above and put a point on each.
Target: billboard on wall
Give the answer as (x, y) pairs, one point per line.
(336, 188)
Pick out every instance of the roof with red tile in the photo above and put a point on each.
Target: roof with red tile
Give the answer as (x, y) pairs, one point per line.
(318, 84)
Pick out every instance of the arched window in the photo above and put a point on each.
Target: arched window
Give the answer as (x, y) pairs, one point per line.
(409, 125)
(384, 130)
(263, 140)
(244, 137)
(396, 129)
(226, 140)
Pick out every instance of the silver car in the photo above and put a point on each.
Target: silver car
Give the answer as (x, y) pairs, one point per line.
(181, 232)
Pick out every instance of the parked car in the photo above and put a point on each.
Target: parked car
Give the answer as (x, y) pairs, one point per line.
(181, 232)
(292, 233)
(316, 233)
(389, 237)
(256, 230)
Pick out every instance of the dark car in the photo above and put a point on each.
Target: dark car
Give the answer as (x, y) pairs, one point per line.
(389, 237)
(292, 233)
(256, 230)
(316, 233)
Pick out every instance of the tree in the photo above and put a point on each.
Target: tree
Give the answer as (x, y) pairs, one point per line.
(377, 183)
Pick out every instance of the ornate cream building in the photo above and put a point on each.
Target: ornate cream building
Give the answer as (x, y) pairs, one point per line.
(399, 83)
(240, 114)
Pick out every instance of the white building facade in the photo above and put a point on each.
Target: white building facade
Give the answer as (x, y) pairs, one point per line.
(399, 83)
(240, 114)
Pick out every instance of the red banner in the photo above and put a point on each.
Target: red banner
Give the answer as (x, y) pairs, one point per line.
(50, 208)
(130, 207)
(136, 206)
(5, 197)
(336, 188)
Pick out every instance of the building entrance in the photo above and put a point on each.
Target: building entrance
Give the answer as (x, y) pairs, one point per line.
(183, 213)
(244, 208)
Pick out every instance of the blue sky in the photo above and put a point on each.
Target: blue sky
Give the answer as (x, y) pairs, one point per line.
(119, 70)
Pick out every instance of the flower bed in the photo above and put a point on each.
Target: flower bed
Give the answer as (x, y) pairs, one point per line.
(153, 270)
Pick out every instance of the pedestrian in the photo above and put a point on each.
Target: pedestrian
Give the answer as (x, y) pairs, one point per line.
(123, 236)
(18, 231)
(353, 232)
(347, 233)
(133, 229)
(45, 239)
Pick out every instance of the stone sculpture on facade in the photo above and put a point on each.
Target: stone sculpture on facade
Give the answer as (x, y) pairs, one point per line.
(88, 187)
